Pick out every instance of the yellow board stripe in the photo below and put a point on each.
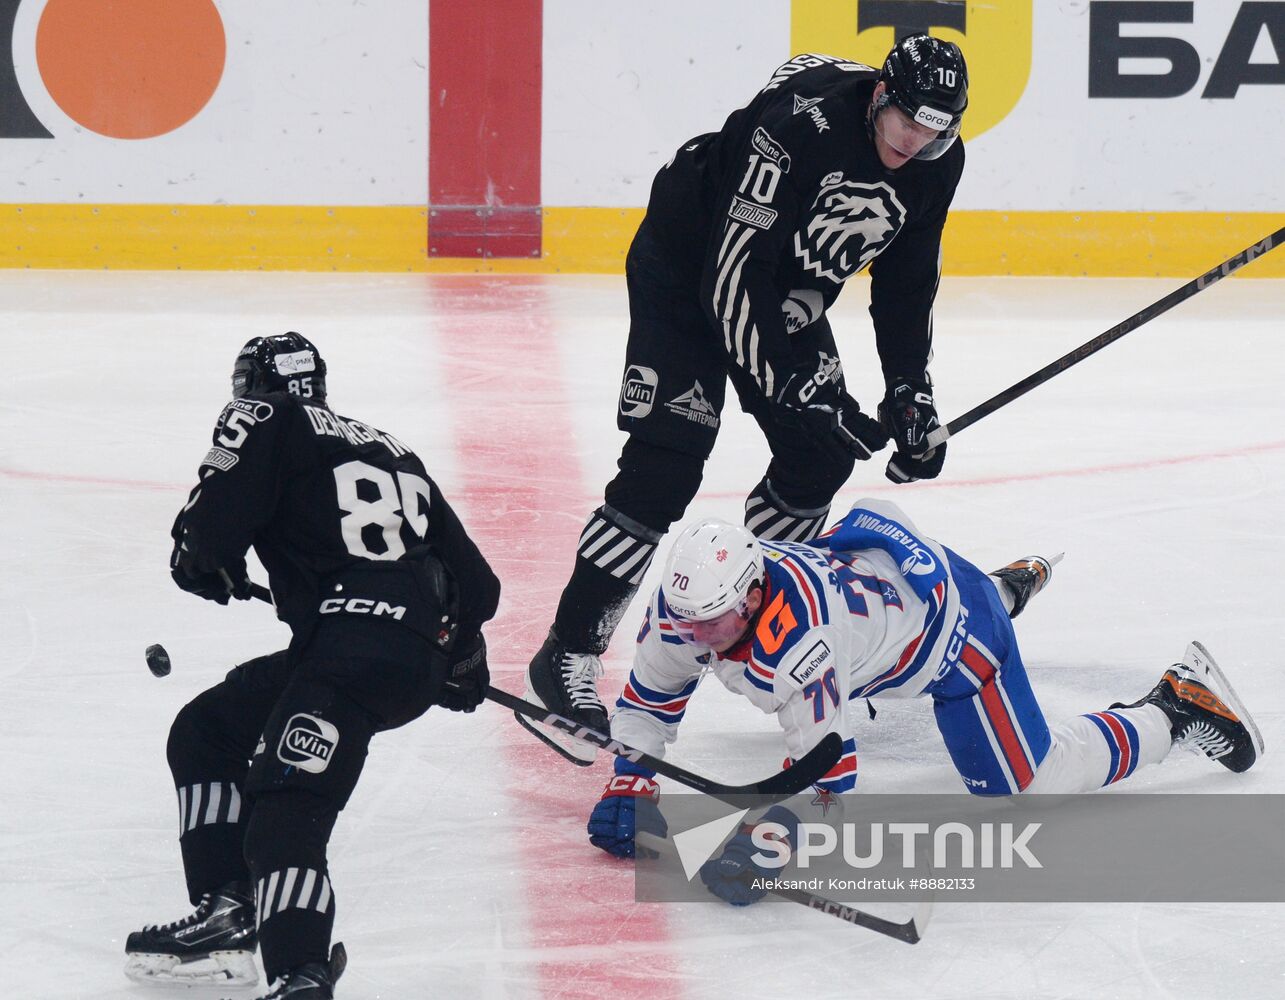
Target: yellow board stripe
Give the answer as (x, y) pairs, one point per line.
(587, 240)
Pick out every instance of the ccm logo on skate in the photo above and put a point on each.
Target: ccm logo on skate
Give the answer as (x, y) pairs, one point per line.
(308, 743)
(360, 606)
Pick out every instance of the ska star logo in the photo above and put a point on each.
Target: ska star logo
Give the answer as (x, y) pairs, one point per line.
(851, 224)
(824, 799)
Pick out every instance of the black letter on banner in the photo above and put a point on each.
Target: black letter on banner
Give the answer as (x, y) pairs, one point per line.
(911, 17)
(1233, 67)
(1107, 47)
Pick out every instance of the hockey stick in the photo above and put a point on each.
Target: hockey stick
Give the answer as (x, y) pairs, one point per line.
(806, 771)
(1227, 267)
(911, 931)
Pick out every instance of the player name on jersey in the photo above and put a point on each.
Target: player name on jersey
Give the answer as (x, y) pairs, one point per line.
(327, 424)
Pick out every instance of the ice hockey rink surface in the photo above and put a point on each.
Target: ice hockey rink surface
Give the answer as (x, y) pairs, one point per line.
(461, 866)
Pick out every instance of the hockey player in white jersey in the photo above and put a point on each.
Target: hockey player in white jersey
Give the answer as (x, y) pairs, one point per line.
(874, 608)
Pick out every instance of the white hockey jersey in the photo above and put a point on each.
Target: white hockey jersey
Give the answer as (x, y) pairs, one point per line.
(869, 608)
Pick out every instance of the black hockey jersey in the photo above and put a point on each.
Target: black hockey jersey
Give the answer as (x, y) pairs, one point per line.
(788, 201)
(329, 503)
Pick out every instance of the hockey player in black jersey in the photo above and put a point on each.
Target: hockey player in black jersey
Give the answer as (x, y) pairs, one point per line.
(749, 236)
(385, 595)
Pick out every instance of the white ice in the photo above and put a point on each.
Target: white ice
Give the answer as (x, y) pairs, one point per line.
(461, 865)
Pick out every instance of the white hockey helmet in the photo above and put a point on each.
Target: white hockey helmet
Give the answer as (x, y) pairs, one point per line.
(710, 570)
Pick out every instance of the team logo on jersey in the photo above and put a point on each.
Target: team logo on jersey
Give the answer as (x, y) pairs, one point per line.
(995, 39)
(638, 391)
(308, 743)
(851, 224)
(694, 406)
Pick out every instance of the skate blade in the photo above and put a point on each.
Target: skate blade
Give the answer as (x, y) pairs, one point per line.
(219, 968)
(577, 751)
(1199, 662)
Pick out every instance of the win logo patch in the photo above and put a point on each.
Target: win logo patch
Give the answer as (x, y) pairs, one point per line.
(308, 743)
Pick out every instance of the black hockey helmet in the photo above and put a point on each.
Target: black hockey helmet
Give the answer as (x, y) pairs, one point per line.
(284, 362)
(927, 80)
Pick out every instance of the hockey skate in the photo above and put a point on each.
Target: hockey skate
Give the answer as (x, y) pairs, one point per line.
(1205, 712)
(565, 682)
(214, 945)
(312, 981)
(1025, 578)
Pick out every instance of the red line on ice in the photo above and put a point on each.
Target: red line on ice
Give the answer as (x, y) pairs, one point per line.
(583, 499)
(523, 500)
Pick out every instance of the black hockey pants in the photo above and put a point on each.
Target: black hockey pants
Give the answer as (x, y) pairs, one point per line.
(264, 761)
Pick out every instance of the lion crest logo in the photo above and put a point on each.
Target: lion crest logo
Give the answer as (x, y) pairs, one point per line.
(850, 225)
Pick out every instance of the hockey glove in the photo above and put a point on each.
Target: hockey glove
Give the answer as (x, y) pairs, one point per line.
(466, 676)
(815, 403)
(730, 876)
(628, 803)
(214, 583)
(908, 414)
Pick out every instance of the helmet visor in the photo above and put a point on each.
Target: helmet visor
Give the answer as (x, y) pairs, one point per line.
(718, 632)
(925, 137)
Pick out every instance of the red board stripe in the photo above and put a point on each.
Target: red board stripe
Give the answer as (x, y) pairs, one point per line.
(485, 88)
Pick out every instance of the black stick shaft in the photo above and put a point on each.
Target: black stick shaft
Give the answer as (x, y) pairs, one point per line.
(1227, 267)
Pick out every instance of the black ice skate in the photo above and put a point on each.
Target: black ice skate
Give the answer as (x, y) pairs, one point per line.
(1204, 711)
(1025, 578)
(564, 682)
(213, 945)
(311, 981)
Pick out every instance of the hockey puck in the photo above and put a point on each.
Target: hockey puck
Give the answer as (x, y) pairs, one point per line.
(158, 661)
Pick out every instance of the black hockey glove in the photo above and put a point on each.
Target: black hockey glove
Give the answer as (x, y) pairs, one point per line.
(908, 415)
(814, 403)
(217, 584)
(466, 675)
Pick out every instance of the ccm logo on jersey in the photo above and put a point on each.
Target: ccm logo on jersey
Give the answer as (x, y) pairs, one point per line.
(812, 661)
(308, 743)
(360, 606)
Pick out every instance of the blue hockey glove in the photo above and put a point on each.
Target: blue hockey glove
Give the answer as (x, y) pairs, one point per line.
(909, 415)
(628, 803)
(729, 876)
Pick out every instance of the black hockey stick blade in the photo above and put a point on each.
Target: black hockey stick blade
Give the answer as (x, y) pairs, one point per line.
(804, 772)
(910, 931)
(1091, 347)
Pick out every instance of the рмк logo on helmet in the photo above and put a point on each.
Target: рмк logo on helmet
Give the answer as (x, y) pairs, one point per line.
(851, 224)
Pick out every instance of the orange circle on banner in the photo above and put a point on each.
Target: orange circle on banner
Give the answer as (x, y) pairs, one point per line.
(131, 69)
